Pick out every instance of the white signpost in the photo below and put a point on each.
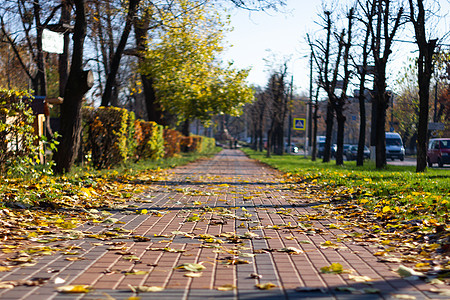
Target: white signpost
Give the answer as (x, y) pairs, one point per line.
(52, 42)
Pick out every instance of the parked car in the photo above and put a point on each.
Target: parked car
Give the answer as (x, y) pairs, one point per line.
(334, 149)
(320, 142)
(352, 152)
(291, 149)
(320, 149)
(394, 146)
(438, 152)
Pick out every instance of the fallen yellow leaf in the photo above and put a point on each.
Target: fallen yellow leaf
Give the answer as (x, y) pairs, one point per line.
(144, 288)
(226, 287)
(192, 274)
(265, 286)
(359, 278)
(73, 289)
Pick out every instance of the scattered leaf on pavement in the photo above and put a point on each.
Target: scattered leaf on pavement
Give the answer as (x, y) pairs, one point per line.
(145, 289)
(266, 286)
(73, 289)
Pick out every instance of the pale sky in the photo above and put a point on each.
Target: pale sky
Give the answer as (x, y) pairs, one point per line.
(257, 34)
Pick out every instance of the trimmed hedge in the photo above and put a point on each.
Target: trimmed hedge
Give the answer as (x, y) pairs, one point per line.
(208, 144)
(172, 140)
(107, 135)
(112, 135)
(149, 139)
(197, 143)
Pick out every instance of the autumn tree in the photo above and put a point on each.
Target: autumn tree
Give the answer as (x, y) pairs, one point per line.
(425, 68)
(277, 91)
(365, 18)
(104, 24)
(258, 5)
(256, 113)
(406, 107)
(29, 19)
(329, 72)
(386, 22)
(441, 107)
(443, 112)
(78, 83)
(189, 80)
(12, 76)
(116, 58)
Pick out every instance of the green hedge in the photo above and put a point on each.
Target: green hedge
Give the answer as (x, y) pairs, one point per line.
(112, 135)
(149, 139)
(208, 144)
(107, 135)
(197, 143)
(172, 140)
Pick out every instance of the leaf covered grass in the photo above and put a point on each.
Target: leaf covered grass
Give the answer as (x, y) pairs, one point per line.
(396, 191)
(84, 181)
(402, 213)
(49, 208)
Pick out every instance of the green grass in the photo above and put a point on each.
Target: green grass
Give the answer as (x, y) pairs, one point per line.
(397, 189)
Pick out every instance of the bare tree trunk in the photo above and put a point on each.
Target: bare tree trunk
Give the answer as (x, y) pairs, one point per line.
(425, 69)
(340, 137)
(41, 84)
(382, 40)
(64, 57)
(381, 105)
(78, 83)
(185, 128)
(314, 136)
(362, 99)
(154, 111)
(115, 63)
(362, 123)
(269, 142)
(329, 130)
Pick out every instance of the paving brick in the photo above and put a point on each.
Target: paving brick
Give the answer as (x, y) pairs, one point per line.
(231, 180)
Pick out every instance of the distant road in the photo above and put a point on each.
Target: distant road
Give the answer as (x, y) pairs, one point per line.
(409, 161)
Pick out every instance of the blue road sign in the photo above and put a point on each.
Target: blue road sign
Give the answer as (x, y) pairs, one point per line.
(299, 124)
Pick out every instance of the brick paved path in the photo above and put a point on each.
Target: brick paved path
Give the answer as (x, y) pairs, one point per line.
(188, 215)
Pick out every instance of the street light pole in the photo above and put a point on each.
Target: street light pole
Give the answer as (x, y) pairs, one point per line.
(310, 103)
(290, 117)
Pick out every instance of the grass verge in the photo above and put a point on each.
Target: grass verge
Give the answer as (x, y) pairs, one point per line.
(396, 190)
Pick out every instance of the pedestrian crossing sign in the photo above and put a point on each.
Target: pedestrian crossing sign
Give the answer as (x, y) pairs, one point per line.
(299, 124)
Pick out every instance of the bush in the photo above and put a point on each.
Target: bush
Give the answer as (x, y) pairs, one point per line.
(149, 140)
(106, 135)
(187, 144)
(198, 144)
(208, 144)
(172, 140)
(19, 149)
(131, 129)
(113, 135)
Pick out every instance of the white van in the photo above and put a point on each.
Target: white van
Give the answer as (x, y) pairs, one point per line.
(394, 146)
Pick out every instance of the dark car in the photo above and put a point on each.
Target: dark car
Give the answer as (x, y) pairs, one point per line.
(352, 152)
(291, 149)
(438, 152)
(320, 149)
(334, 149)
